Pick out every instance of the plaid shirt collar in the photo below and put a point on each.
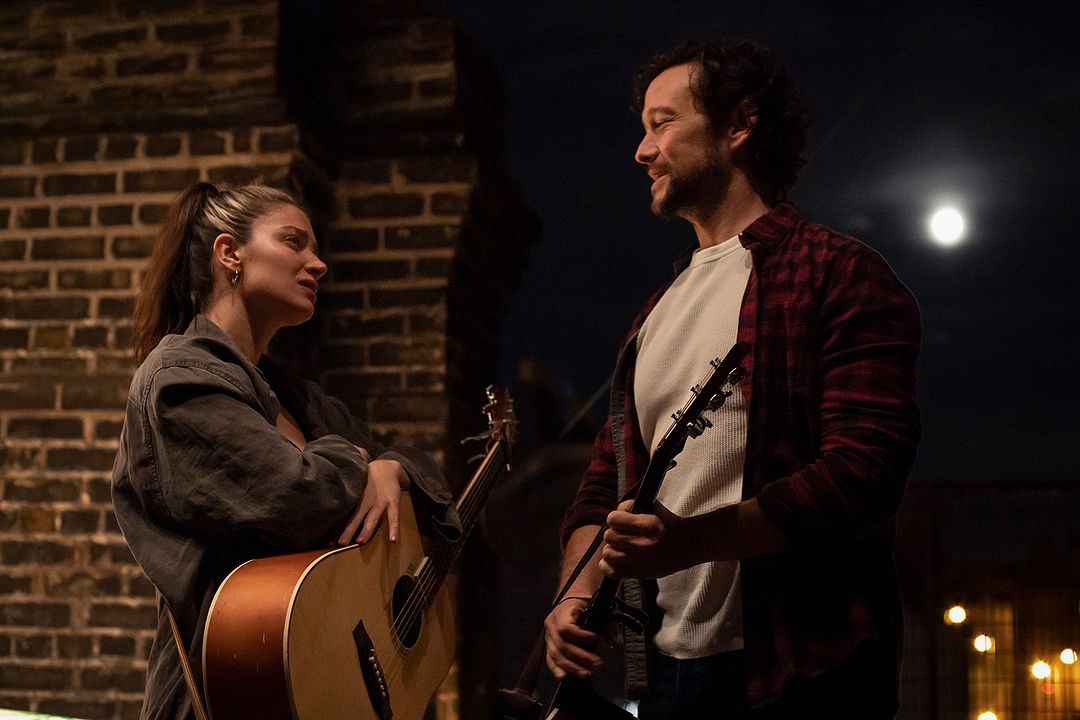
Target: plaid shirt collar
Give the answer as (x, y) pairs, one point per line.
(767, 232)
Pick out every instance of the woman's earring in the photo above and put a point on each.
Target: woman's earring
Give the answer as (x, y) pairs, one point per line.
(235, 279)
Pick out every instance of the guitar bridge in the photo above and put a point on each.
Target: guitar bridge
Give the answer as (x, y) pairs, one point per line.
(374, 678)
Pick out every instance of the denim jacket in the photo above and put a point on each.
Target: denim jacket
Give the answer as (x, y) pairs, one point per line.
(204, 481)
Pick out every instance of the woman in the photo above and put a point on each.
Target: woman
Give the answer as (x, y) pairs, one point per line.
(223, 457)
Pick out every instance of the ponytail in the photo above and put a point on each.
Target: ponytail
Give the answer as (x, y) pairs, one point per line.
(179, 274)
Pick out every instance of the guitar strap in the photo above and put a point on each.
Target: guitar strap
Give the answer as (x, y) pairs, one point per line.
(189, 676)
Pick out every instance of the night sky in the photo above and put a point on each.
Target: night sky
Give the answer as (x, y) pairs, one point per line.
(915, 104)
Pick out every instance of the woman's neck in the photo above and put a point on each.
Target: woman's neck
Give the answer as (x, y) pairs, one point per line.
(236, 323)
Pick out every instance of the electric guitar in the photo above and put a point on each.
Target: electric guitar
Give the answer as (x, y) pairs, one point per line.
(574, 698)
(363, 632)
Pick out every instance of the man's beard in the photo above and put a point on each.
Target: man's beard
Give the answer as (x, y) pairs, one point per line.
(689, 194)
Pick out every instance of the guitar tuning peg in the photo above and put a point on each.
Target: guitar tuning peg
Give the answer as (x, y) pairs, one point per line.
(475, 459)
(482, 437)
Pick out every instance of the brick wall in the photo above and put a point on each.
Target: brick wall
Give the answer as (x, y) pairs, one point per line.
(111, 106)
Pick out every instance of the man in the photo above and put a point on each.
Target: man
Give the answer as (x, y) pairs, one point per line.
(768, 562)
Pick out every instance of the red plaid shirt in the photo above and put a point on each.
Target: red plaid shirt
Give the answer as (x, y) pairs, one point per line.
(832, 429)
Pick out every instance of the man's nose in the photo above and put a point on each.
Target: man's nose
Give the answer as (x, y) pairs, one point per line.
(646, 150)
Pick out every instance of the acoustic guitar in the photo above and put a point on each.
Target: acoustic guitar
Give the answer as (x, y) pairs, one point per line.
(363, 632)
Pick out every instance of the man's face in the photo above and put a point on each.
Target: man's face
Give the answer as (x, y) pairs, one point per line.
(685, 158)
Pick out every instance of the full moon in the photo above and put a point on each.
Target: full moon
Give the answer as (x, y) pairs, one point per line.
(947, 226)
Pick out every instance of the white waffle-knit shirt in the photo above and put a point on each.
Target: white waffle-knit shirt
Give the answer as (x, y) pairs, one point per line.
(696, 321)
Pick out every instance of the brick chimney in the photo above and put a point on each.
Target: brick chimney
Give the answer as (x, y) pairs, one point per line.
(383, 119)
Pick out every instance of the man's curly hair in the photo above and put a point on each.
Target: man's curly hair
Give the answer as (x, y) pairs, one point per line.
(728, 75)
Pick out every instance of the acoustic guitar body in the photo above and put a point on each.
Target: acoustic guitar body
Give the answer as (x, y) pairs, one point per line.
(320, 634)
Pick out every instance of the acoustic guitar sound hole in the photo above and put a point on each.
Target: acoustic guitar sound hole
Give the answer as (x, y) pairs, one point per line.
(408, 616)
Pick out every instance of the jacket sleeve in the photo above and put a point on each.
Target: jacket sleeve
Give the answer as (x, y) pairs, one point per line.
(221, 469)
(867, 417)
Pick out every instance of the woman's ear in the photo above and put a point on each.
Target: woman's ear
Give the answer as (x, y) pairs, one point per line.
(225, 253)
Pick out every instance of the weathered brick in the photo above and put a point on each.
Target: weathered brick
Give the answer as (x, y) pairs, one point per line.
(110, 39)
(374, 94)
(32, 217)
(386, 205)
(123, 336)
(115, 307)
(12, 249)
(47, 308)
(29, 427)
(407, 353)
(115, 615)
(5, 217)
(37, 519)
(24, 280)
(87, 247)
(80, 521)
(132, 246)
(410, 408)
(120, 147)
(152, 214)
(428, 381)
(436, 87)
(11, 338)
(437, 169)
(108, 554)
(73, 184)
(365, 382)
(352, 239)
(159, 180)
(50, 490)
(150, 8)
(76, 708)
(446, 203)
(90, 68)
(236, 58)
(405, 297)
(33, 646)
(101, 394)
(51, 337)
(45, 150)
(110, 215)
(74, 646)
(345, 356)
(94, 279)
(13, 584)
(73, 216)
(264, 26)
(26, 395)
(38, 552)
(108, 429)
(365, 270)
(369, 172)
(117, 646)
(79, 459)
(201, 31)
(81, 148)
(37, 42)
(12, 152)
(91, 337)
(36, 677)
(433, 267)
(50, 366)
(247, 174)
(206, 142)
(118, 679)
(162, 145)
(13, 187)
(355, 326)
(285, 140)
(415, 237)
(147, 65)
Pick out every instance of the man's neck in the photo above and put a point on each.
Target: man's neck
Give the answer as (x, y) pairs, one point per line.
(739, 207)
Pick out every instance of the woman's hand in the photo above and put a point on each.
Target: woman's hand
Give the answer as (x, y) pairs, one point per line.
(382, 496)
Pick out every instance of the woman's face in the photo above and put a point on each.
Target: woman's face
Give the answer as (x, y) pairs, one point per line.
(281, 267)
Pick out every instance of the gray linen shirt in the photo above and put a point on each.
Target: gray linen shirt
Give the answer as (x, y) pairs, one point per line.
(203, 482)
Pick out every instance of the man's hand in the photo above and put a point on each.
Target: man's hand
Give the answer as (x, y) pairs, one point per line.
(382, 496)
(643, 545)
(567, 644)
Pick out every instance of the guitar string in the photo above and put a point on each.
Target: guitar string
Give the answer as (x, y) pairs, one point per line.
(432, 576)
(417, 599)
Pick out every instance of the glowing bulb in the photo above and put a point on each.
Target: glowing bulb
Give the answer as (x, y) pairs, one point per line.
(984, 643)
(1068, 656)
(1040, 670)
(955, 615)
(988, 715)
(947, 226)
